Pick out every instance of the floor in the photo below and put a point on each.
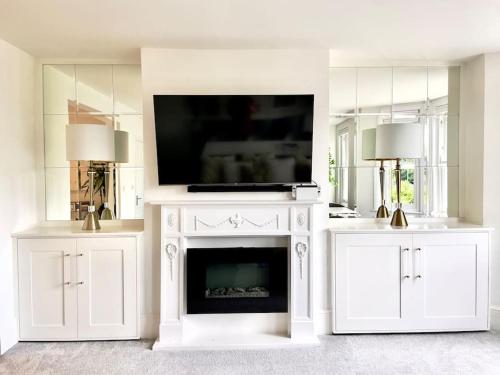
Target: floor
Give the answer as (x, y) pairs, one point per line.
(447, 353)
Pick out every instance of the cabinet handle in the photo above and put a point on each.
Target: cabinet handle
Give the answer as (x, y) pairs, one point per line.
(406, 253)
(418, 264)
(66, 255)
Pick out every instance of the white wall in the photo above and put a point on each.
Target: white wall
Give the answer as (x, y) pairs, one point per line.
(231, 72)
(491, 178)
(480, 130)
(472, 139)
(18, 171)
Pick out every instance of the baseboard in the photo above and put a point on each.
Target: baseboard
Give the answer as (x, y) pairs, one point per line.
(495, 318)
(149, 326)
(323, 322)
(9, 335)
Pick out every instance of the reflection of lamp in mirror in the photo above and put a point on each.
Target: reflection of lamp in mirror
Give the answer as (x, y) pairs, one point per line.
(121, 156)
(86, 142)
(399, 141)
(368, 153)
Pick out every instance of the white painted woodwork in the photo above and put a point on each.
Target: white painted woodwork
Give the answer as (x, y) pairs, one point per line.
(47, 304)
(419, 279)
(107, 295)
(78, 287)
(452, 290)
(371, 288)
(226, 223)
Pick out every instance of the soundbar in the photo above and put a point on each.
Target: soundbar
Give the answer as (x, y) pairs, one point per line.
(224, 188)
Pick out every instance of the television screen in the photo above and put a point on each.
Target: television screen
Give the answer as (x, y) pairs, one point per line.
(228, 139)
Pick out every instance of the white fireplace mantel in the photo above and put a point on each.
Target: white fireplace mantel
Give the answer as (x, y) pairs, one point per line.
(214, 222)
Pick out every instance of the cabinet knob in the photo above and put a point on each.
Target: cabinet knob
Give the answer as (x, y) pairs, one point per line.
(80, 283)
(67, 283)
(67, 255)
(80, 255)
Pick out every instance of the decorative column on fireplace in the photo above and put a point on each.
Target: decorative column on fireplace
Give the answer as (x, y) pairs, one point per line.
(202, 274)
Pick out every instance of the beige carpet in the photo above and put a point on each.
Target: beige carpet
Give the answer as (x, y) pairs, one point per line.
(449, 353)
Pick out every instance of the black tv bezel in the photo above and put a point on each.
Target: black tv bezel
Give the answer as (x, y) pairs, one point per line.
(238, 186)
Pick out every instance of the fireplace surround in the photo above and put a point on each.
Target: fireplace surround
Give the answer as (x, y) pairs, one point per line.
(234, 315)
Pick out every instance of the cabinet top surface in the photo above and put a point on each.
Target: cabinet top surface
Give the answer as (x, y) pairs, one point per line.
(458, 226)
(73, 229)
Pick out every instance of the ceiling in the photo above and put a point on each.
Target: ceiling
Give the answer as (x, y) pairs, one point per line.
(354, 29)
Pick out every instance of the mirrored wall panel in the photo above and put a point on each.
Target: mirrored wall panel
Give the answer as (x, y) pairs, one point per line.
(428, 96)
(107, 95)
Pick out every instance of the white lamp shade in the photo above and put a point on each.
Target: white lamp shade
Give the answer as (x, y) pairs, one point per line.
(399, 141)
(90, 142)
(368, 144)
(121, 146)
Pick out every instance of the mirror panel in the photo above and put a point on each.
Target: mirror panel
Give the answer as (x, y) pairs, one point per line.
(57, 193)
(133, 125)
(66, 182)
(130, 197)
(59, 90)
(94, 88)
(127, 89)
(428, 95)
(425, 191)
(409, 93)
(343, 91)
(54, 127)
(374, 91)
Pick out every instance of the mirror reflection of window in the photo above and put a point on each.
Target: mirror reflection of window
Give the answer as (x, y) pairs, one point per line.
(343, 164)
(428, 95)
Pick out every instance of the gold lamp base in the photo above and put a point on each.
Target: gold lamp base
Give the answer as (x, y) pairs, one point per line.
(382, 212)
(91, 221)
(399, 219)
(107, 214)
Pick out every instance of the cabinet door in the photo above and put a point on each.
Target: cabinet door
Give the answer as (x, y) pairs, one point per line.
(451, 280)
(107, 288)
(372, 283)
(47, 295)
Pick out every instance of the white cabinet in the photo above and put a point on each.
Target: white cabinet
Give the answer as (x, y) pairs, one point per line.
(47, 300)
(393, 281)
(78, 288)
(371, 293)
(107, 288)
(451, 284)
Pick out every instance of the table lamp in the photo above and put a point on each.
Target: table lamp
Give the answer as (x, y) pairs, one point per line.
(121, 156)
(89, 142)
(399, 141)
(368, 153)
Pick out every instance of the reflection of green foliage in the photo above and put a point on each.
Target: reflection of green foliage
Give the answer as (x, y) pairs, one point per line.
(331, 168)
(407, 192)
(408, 175)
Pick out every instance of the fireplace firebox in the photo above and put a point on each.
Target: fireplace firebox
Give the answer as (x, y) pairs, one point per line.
(237, 280)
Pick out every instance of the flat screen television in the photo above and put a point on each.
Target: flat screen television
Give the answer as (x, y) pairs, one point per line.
(234, 139)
